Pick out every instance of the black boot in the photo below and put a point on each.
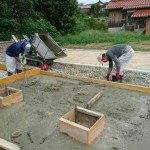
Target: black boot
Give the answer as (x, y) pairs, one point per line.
(18, 71)
(114, 78)
(121, 78)
(10, 74)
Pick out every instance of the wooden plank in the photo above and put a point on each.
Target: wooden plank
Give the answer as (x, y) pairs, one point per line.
(94, 99)
(80, 127)
(101, 82)
(5, 145)
(13, 89)
(14, 38)
(16, 77)
(70, 115)
(14, 97)
(89, 112)
(11, 99)
(76, 131)
(3, 67)
(84, 134)
(96, 129)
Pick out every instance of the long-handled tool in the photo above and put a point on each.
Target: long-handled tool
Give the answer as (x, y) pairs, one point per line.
(24, 68)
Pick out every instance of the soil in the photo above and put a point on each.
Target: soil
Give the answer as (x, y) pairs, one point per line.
(127, 123)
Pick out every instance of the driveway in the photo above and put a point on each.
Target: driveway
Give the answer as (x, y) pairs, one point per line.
(141, 60)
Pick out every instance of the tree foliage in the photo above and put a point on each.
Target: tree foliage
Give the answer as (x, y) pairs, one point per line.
(95, 9)
(61, 13)
(54, 16)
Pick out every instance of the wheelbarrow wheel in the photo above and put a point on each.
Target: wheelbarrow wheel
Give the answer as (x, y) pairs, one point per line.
(44, 67)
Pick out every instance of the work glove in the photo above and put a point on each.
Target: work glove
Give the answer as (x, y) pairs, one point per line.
(22, 64)
(107, 76)
(23, 59)
(117, 76)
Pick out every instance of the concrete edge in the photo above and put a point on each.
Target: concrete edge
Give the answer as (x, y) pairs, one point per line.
(89, 65)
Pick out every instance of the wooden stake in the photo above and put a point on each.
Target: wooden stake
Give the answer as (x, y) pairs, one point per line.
(5, 145)
(6, 89)
(94, 99)
(15, 39)
(76, 113)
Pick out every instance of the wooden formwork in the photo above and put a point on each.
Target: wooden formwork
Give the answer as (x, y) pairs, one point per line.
(37, 71)
(82, 124)
(9, 96)
(16, 77)
(101, 82)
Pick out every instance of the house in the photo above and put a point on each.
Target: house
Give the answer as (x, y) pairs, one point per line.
(87, 8)
(130, 15)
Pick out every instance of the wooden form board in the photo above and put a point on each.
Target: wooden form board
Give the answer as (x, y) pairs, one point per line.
(3, 67)
(5, 145)
(78, 131)
(16, 77)
(94, 99)
(101, 82)
(5, 81)
(14, 96)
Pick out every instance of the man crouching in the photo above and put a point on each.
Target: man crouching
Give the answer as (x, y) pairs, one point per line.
(120, 54)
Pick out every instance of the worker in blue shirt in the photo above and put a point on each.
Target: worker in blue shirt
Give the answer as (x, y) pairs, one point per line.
(13, 56)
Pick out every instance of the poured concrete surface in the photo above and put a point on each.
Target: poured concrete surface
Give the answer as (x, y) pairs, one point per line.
(46, 99)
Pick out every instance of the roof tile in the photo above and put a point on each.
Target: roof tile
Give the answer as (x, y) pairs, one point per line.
(141, 13)
(128, 4)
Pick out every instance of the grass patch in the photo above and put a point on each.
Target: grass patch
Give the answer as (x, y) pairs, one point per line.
(95, 38)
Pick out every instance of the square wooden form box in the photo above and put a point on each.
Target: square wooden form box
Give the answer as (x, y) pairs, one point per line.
(82, 124)
(9, 96)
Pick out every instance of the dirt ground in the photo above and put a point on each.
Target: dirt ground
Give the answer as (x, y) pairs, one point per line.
(127, 124)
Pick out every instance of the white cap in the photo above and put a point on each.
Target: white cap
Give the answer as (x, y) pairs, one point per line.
(99, 58)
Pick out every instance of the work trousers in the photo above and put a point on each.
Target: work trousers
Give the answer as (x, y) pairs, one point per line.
(12, 64)
(123, 59)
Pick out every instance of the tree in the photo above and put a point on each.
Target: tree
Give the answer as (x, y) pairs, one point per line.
(60, 13)
(95, 9)
(7, 23)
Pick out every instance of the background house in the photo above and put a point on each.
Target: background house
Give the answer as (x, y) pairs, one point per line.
(87, 8)
(130, 15)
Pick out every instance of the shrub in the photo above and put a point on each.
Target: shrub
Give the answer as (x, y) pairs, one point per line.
(30, 26)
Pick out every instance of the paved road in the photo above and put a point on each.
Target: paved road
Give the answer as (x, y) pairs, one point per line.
(141, 60)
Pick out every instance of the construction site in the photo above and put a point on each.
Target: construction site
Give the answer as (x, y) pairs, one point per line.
(70, 106)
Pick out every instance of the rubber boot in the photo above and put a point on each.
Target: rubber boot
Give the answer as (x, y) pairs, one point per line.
(18, 71)
(114, 78)
(10, 73)
(121, 78)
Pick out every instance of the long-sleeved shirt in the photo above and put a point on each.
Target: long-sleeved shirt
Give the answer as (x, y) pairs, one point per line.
(115, 52)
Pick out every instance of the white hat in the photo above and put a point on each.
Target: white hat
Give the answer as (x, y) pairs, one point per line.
(99, 58)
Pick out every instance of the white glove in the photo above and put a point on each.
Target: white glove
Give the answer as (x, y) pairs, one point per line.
(23, 60)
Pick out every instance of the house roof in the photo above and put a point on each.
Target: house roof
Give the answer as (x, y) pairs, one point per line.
(88, 6)
(128, 4)
(141, 13)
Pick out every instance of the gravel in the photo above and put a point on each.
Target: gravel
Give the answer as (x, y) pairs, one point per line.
(132, 76)
(135, 77)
